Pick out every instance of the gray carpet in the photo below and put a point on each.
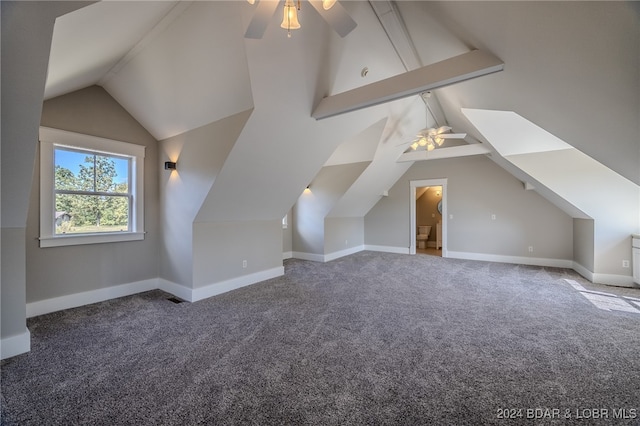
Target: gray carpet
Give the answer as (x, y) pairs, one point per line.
(371, 338)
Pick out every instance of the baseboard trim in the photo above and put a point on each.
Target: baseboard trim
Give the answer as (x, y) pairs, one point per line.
(180, 291)
(15, 345)
(287, 255)
(342, 253)
(387, 249)
(191, 295)
(613, 280)
(520, 260)
(584, 272)
(214, 289)
(308, 256)
(88, 297)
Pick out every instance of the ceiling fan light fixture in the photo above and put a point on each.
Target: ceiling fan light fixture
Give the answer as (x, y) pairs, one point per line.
(328, 4)
(414, 146)
(290, 17)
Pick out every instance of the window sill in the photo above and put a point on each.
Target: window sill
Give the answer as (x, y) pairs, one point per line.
(74, 240)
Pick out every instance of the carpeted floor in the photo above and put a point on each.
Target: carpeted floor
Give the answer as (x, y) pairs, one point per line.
(372, 338)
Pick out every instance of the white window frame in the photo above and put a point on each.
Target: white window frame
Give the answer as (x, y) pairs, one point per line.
(52, 138)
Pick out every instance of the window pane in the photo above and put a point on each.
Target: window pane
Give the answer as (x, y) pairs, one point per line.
(76, 214)
(67, 169)
(112, 174)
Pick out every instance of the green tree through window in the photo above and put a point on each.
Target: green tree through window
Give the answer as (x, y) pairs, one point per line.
(96, 198)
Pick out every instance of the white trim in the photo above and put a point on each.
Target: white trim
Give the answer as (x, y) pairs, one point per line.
(180, 291)
(341, 253)
(234, 283)
(412, 211)
(607, 279)
(614, 280)
(520, 260)
(185, 293)
(387, 249)
(72, 240)
(15, 345)
(308, 256)
(287, 255)
(49, 138)
(582, 271)
(88, 297)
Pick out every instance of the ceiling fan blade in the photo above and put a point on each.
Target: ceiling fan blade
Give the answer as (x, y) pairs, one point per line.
(337, 17)
(261, 18)
(452, 135)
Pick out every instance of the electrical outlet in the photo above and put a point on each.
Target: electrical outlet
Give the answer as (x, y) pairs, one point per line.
(450, 216)
(530, 249)
(244, 263)
(493, 217)
(625, 263)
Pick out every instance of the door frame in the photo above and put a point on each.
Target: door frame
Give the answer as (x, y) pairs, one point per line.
(413, 185)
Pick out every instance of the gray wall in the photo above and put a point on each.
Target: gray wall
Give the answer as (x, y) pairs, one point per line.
(343, 233)
(287, 234)
(219, 249)
(27, 29)
(476, 189)
(199, 154)
(314, 205)
(583, 243)
(59, 271)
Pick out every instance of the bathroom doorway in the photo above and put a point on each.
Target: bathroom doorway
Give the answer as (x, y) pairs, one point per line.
(428, 206)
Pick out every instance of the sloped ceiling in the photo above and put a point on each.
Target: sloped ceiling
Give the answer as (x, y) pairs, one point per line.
(570, 67)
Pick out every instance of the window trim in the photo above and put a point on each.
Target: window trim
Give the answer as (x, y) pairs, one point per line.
(49, 139)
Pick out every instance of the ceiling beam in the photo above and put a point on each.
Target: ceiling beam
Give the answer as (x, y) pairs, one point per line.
(439, 153)
(444, 73)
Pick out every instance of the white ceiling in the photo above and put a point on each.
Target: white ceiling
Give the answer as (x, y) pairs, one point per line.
(570, 68)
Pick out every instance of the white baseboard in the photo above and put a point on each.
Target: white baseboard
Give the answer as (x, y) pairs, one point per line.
(613, 280)
(180, 291)
(88, 297)
(191, 295)
(308, 256)
(234, 283)
(387, 249)
(287, 255)
(520, 260)
(342, 253)
(314, 257)
(15, 345)
(586, 273)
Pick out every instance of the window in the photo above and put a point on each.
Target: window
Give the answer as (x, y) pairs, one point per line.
(91, 189)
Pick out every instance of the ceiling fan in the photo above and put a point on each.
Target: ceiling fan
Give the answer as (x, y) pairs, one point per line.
(431, 138)
(331, 11)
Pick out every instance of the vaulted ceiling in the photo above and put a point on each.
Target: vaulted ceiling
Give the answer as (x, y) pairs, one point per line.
(572, 68)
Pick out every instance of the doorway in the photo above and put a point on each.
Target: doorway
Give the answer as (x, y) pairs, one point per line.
(416, 189)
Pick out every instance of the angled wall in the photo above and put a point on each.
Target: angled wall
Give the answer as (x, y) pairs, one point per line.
(476, 189)
(311, 238)
(199, 155)
(26, 27)
(611, 200)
